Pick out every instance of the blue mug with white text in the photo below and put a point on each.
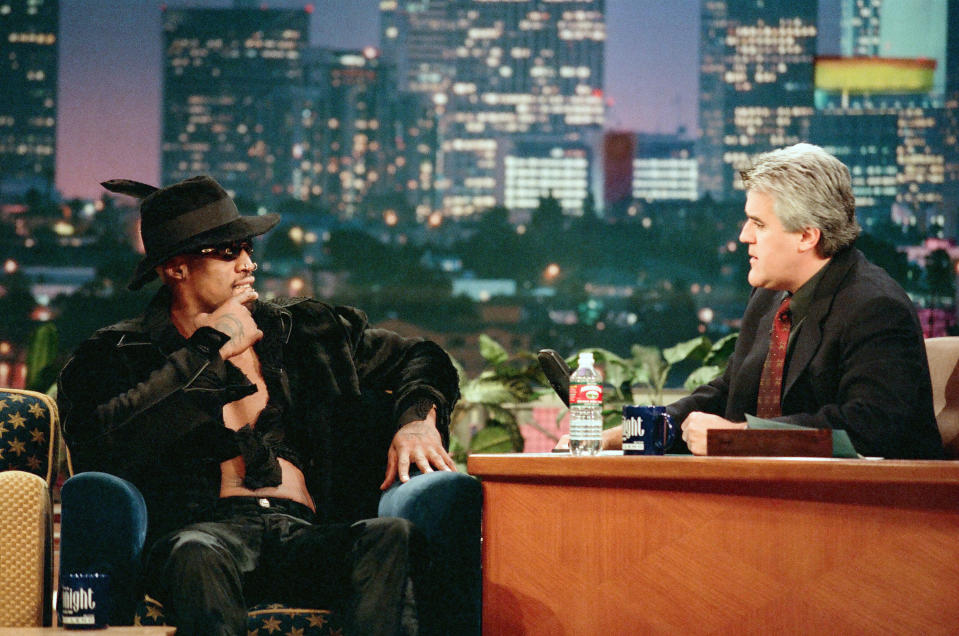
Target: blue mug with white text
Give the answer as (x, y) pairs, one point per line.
(84, 601)
(647, 430)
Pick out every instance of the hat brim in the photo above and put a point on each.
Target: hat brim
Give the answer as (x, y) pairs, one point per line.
(241, 228)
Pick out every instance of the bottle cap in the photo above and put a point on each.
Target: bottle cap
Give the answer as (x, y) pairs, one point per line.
(586, 359)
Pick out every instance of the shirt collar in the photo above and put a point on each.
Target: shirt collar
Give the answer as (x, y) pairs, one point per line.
(799, 305)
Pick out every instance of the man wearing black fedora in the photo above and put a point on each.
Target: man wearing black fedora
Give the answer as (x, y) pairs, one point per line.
(258, 432)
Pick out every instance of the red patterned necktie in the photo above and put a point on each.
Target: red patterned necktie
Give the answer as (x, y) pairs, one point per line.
(771, 382)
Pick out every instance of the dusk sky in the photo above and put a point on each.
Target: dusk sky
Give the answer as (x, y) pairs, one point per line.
(111, 66)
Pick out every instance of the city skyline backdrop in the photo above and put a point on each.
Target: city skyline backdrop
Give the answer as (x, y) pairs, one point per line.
(111, 67)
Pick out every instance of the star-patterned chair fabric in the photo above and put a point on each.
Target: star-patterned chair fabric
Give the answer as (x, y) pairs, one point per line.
(29, 442)
(29, 433)
(263, 620)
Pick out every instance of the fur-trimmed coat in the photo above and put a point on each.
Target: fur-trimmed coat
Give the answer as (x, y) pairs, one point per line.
(141, 402)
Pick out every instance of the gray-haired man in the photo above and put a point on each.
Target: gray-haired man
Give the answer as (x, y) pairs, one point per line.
(848, 347)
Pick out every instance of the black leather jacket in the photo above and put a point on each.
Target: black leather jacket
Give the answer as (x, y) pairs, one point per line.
(139, 401)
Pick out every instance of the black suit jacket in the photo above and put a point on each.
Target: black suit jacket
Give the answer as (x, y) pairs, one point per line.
(857, 363)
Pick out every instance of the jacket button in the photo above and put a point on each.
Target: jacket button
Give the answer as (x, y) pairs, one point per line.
(264, 502)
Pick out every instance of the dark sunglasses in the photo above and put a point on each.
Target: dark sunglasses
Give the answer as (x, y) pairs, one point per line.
(228, 251)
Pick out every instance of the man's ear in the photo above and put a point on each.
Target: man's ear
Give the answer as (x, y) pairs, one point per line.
(174, 269)
(809, 238)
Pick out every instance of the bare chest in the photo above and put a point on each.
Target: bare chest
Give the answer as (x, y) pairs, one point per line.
(239, 413)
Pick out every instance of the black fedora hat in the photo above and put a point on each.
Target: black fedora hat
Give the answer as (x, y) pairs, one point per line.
(180, 218)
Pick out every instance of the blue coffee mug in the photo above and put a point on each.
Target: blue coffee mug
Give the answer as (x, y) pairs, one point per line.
(647, 430)
(84, 600)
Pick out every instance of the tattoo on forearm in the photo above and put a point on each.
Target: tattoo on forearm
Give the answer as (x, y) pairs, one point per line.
(230, 326)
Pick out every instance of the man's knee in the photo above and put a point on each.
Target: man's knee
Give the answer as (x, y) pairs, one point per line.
(390, 535)
(194, 575)
(387, 528)
(192, 551)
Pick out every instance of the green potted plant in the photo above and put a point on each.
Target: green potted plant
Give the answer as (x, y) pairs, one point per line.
(485, 418)
(482, 421)
(643, 376)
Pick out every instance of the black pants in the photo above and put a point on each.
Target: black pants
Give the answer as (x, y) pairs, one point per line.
(267, 550)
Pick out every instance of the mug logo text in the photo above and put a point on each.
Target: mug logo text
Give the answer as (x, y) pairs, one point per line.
(78, 600)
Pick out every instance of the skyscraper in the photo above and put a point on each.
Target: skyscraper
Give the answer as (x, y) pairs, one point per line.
(340, 151)
(28, 96)
(756, 84)
(880, 110)
(664, 168)
(859, 25)
(896, 29)
(619, 149)
(951, 114)
(533, 171)
(229, 85)
(360, 144)
(503, 74)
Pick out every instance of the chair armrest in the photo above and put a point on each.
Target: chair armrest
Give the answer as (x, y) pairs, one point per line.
(25, 550)
(446, 507)
(103, 524)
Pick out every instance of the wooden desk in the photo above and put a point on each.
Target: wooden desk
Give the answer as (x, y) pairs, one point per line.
(637, 545)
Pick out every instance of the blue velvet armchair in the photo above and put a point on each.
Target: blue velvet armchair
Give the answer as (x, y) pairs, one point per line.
(104, 522)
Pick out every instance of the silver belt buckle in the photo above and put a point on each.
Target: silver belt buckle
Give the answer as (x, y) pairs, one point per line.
(264, 502)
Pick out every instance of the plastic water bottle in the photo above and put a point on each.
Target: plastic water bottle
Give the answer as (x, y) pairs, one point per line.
(585, 408)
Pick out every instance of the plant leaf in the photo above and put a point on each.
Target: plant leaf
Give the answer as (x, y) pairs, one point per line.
(483, 391)
(721, 350)
(697, 347)
(457, 452)
(601, 356)
(619, 374)
(502, 415)
(491, 439)
(647, 358)
(41, 353)
(492, 351)
(701, 376)
(612, 417)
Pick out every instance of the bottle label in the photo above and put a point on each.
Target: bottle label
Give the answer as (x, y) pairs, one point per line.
(585, 394)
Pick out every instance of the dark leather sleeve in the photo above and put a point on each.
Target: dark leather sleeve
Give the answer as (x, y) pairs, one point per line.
(120, 412)
(346, 358)
(413, 370)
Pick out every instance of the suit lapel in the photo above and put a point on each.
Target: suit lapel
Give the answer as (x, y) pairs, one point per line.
(810, 334)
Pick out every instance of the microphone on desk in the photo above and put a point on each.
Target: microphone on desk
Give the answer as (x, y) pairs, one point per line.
(556, 372)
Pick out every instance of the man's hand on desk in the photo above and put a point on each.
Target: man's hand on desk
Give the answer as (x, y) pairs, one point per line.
(697, 423)
(694, 433)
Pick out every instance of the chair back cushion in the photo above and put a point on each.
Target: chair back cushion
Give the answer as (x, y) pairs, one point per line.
(103, 524)
(943, 354)
(25, 525)
(29, 433)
